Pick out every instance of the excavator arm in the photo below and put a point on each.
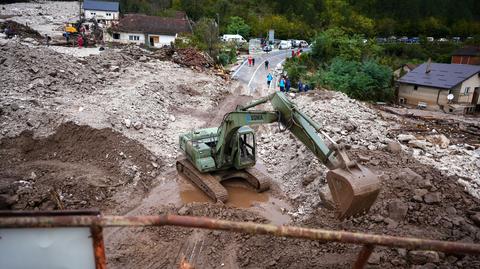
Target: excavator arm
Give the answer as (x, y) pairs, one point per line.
(353, 187)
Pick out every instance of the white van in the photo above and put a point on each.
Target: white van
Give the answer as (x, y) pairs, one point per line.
(234, 38)
(285, 44)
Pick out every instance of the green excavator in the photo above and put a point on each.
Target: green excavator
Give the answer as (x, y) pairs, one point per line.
(229, 151)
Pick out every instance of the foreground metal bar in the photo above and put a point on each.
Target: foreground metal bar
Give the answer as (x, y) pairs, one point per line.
(98, 247)
(244, 227)
(363, 256)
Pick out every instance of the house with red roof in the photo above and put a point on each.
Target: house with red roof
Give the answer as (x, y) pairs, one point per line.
(152, 31)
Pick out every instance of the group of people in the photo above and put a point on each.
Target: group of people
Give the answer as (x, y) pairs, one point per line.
(285, 84)
(251, 60)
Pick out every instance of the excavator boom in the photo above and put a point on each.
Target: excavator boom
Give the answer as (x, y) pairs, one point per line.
(354, 188)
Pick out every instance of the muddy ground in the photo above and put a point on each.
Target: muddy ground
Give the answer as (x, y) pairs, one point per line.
(102, 132)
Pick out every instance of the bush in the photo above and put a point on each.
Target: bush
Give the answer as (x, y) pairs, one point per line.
(367, 81)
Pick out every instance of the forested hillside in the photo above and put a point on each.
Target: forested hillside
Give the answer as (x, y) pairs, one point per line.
(304, 18)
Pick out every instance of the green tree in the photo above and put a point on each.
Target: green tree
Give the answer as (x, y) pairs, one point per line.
(366, 81)
(205, 36)
(237, 25)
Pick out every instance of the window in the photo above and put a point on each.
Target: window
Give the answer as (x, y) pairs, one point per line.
(109, 14)
(415, 87)
(466, 90)
(93, 13)
(134, 37)
(116, 36)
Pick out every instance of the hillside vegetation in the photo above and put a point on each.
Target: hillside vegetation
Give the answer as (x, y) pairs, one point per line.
(302, 19)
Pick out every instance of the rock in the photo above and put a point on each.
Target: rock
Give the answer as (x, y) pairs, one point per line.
(115, 68)
(423, 257)
(137, 125)
(397, 210)
(410, 176)
(172, 118)
(432, 197)
(34, 69)
(476, 219)
(394, 147)
(391, 224)
(440, 140)
(14, 107)
(128, 123)
(405, 137)
(309, 178)
(183, 211)
(374, 258)
(154, 164)
(421, 144)
(143, 58)
(451, 210)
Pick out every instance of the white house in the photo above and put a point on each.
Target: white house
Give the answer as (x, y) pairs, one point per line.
(101, 10)
(152, 31)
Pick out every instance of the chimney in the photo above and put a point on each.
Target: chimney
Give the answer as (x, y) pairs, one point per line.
(429, 65)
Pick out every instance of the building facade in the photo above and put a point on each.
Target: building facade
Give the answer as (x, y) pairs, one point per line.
(449, 87)
(146, 30)
(466, 55)
(101, 10)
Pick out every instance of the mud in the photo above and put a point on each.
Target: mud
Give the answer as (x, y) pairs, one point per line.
(76, 167)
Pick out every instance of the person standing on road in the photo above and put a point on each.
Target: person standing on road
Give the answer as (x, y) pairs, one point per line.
(293, 53)
(249, 60)
(253, 61)
(281, 84)
(266, 64)
(287, 84)
(269, 79)
(300, 86)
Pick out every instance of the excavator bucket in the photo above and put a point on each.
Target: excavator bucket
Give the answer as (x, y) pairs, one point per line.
(354, 189)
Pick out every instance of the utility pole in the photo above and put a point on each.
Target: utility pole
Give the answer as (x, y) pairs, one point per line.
(218, 21)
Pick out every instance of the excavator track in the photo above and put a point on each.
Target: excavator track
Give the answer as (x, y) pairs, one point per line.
(206, 182)
(258, 180)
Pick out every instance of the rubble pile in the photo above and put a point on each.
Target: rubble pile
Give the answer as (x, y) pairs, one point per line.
(46, 17)
(19, 29)
(361, 129)
(192, 57)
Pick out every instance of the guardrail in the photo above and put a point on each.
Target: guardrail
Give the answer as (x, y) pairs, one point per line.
(98, 222)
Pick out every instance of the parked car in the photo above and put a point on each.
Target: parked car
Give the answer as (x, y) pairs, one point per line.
(443, 39)
(392, 39)
(381, 40)
(234, 38)
(430, 39)
(403, 39)
(414, 40)
(456, 39)
(267, 48)
(303, 44)
(285, 44)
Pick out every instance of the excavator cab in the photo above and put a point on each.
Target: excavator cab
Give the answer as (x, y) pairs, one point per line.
(245, 156)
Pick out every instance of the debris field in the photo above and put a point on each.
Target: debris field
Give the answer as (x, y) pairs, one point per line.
(101, 131)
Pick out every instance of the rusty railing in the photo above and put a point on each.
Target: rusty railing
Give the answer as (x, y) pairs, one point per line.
(97, 222)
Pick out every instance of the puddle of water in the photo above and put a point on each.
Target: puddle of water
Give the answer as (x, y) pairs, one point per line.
(239, 195)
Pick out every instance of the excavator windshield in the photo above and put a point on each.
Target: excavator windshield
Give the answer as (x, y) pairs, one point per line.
(247, 149)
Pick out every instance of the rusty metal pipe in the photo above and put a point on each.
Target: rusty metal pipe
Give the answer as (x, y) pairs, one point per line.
(244, 227)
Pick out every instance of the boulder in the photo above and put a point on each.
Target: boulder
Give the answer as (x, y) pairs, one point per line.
(405, 137)
(397, 210)
(476, 218)
(439, 140)
(432, 197)
(394, 147)
(128, 123)
(137, 125)
(421, 144)
(423, 257)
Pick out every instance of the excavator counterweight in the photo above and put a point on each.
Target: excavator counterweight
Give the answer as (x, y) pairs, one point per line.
(216, 154)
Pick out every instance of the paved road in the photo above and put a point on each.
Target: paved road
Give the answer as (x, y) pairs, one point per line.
(255, 77)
